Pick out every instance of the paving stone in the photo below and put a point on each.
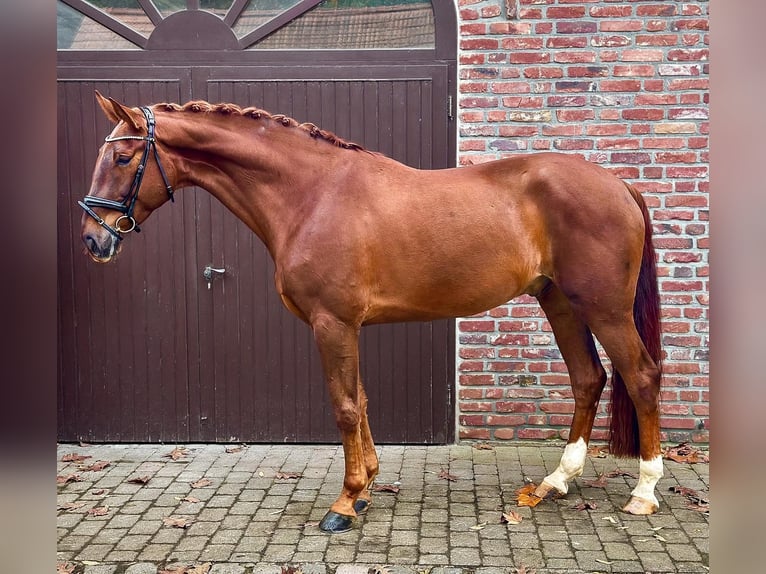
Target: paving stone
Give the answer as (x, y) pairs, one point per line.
(246, 523)
(142, 568)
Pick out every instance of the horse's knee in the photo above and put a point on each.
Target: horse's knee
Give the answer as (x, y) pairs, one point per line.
(347, 416)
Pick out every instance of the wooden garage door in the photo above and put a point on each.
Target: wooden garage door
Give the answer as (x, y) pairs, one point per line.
(148, 351)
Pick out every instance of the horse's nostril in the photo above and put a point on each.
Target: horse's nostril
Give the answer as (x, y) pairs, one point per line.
(90, 243)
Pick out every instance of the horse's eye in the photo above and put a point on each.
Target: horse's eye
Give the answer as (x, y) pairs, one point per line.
(123, 159)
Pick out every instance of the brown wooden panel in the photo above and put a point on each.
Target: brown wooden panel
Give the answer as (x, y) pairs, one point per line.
(147, 351)
(121, 326)
(409, 395)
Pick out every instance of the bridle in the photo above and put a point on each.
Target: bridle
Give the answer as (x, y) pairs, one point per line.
(127, 205)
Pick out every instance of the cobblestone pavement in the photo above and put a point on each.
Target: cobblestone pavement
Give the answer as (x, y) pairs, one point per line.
(245, 518)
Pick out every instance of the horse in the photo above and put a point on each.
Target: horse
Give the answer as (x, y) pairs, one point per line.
(358, 238)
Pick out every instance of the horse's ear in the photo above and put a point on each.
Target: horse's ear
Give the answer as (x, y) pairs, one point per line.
(115, 111)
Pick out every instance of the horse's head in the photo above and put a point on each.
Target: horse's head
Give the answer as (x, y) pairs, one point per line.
(128, 182)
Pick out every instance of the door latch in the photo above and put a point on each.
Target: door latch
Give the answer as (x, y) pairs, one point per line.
(209, 274)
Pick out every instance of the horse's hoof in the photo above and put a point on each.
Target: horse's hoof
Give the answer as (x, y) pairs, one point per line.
(335, 523)
(546, 490)
(361, 505)
(640, 506)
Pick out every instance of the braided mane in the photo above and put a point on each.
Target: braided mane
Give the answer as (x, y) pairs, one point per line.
(258, 114)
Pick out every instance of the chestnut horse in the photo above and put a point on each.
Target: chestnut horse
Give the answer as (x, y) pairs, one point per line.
(358, 238)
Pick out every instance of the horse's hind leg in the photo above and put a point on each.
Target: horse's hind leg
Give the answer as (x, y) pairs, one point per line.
(587, 377)
(641, 377)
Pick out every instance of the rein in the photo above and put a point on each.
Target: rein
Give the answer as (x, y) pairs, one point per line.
(127, 206)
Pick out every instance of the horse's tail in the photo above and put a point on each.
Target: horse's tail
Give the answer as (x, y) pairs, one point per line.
(623, 435)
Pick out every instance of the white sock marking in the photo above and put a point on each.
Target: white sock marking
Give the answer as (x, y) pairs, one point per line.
(650, 472)
(571, 465)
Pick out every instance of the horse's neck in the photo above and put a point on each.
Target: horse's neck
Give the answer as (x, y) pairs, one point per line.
(262, 173)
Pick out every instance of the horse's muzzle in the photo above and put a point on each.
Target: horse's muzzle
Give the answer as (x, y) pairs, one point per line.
(101, 246)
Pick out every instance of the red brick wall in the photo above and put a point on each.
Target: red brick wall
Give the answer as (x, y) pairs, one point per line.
(625, 84)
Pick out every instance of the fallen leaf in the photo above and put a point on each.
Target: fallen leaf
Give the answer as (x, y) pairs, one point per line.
(610, 519)
(96, 466)
(98, 491)
(65, 568)
(177, 453)
(287, 475)
(684, 452)
(617, 472)
(91, 562)
(483, 446)
(690, 493)
(660, 538)
(447, 476)
(190, 499)
(98, 511)
(600, 482)
(177, 522)
(83, 443)
(598, 451)
(291, 570)
(585, 505)
(603, 561)
(72, 457)
(63, 479)
(385, 488)
(511, 517)
(479, 526)
(70, 506)
(526, 496)
(311, 523)
(202, 482)
(233, 449)
(523, 570)
(139, 479)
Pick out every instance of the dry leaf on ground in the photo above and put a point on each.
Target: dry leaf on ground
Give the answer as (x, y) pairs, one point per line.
(189, 569)
(289, 569)
(139, 479)
(617, 472)
(70, 506)
(598, 451)
(201, 483)
(447, 476)
(523, 570)
(483, 446)
(73, 457)
(600, 482)
(233, 449)
(98, 511)
(585, 505)
(526, 496)
(697, 501)
(684, 452)
(511, 517)
(190, 499)
(63, 479)
(65, 568)
(177, 522)
(177, 453)
(96, 466)
(385, 488)
(287, 475)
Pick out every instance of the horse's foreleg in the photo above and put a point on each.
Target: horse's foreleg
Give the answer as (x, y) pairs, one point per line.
(338, 346)
(368, 451)
(587, 377)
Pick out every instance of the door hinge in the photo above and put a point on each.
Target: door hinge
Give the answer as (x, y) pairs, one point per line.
(450, 111)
